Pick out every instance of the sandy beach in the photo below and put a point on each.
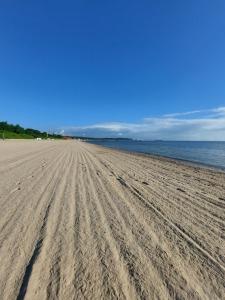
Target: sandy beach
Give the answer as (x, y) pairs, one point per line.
(80, 221)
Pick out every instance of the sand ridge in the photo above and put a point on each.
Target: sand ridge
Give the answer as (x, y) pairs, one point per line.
(79, 221)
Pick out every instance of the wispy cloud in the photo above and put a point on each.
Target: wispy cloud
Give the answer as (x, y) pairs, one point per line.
(192, 125)
(219, 111)
(184, 113)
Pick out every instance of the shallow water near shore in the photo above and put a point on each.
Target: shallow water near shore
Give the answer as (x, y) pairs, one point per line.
(207, 153)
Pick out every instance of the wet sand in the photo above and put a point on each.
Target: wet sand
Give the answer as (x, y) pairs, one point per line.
(79, 221)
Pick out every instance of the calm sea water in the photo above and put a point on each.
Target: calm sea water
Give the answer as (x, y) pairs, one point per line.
(207, 153)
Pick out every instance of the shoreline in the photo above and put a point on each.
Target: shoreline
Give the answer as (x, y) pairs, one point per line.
(175, 160)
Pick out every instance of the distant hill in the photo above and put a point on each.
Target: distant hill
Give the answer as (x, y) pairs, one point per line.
(10, 131)
(101, 138)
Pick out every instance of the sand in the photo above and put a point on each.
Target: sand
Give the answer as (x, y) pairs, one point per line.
(80, 221)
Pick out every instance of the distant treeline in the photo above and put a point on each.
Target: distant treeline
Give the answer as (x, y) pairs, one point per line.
(16, 131)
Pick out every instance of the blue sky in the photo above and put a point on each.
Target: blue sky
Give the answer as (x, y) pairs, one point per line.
(80, 66)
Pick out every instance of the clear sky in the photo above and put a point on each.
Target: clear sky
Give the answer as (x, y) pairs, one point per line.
(107, 67)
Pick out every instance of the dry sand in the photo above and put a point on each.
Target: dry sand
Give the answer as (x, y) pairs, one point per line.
(79, 221)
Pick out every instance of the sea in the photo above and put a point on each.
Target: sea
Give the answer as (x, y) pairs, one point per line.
(210, 154)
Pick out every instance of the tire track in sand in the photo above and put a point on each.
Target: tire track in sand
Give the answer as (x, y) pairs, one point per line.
(140, 272)
(42, 235)
(120, 211)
